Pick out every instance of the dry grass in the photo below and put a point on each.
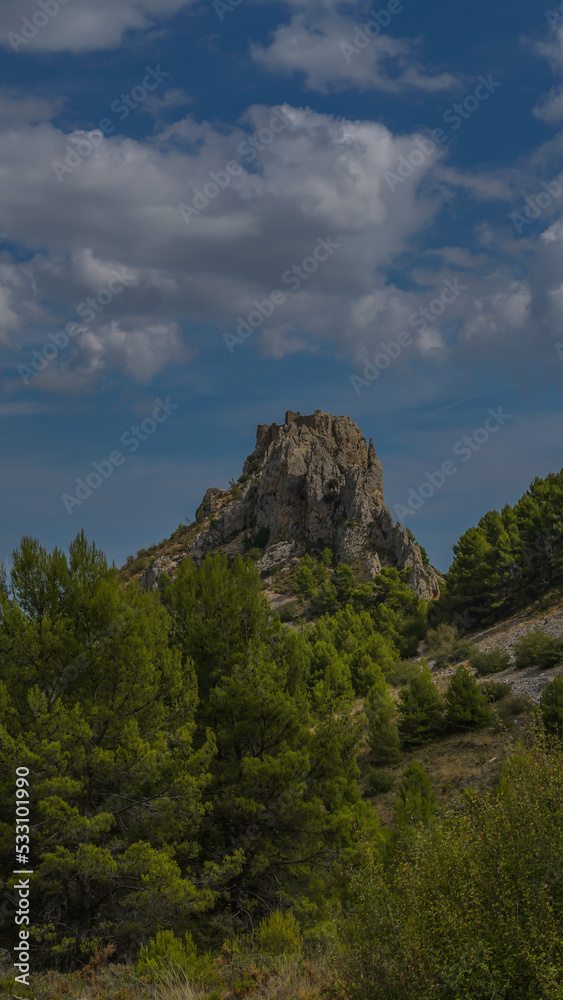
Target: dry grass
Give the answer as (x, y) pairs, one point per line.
(455, 762)
(256, 977)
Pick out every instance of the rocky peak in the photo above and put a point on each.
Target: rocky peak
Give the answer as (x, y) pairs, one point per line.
(310, 482)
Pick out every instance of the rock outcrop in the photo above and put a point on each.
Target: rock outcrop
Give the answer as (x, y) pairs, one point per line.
(310, 483)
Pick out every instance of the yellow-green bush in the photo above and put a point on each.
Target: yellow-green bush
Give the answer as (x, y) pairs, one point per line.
(279, 934)
(166, 951)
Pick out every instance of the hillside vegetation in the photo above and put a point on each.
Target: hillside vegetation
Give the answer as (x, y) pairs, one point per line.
(226, 805)
(507, 561)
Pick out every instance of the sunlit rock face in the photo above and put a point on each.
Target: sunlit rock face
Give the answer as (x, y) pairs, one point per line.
(310, 482)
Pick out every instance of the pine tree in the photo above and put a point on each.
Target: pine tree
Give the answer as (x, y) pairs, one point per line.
(466, 705)
(217, 611)
(383, 735)
(466, 581)
(421, 710)
(344, 581)
(283, 781)
(101, 711)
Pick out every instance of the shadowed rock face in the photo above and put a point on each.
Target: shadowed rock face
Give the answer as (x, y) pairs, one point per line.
(309, 483)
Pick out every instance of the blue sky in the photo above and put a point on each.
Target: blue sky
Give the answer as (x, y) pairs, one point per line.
(169, 170)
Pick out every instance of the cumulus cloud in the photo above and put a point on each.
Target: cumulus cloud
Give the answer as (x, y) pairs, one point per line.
(16, 107)
(327, 42)
(299, 176)
(550, 107)
(552, 50)
(119, 208)
(78, 25)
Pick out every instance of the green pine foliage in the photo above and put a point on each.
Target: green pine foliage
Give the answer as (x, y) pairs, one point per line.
(466, 703)
(194, 780)
(381, 713)
(193, 760)
(283, 780)
(397, 613)
(101, 709)
(359, 645)
(508, 559)
(421, 711)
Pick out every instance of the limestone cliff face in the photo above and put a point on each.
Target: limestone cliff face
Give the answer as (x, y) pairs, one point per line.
(309, 483)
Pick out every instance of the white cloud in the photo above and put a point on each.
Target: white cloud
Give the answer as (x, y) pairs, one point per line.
(550, 109)
(316, 177)
(552, 51)
(22, 108)
(119, 209)
(327, 46)
(78, 25)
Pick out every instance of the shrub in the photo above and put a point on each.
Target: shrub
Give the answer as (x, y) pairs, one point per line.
(495, 690)
(379, 782)
(466, 704)
(551, 706)
(490, 662)
(515, 705)
(446, 647)
(262, 538)
(416, 801)
(255, 554)
(537, 649)
(279, 934)
(289, 612)
(403, 671)
(165, 950)
(477, 911)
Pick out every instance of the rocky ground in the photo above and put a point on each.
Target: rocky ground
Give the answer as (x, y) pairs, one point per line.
(531, 682)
